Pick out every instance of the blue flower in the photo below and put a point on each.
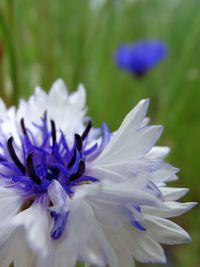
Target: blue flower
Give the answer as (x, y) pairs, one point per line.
(139, 57)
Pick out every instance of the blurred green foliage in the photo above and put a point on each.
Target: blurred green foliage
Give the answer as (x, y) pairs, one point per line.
(75, 40)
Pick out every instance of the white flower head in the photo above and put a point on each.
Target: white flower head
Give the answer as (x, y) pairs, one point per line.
(70, 192)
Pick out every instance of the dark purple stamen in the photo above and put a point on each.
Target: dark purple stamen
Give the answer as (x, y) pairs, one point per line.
(78, 146)
(79, 142)
(79, 172)
(53, 131)
(30, 169)
(14, 156)
(86, 131)
(23, 126)
(72, 161)
(45, 115)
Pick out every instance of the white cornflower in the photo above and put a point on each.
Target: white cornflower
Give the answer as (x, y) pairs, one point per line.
(70, 192)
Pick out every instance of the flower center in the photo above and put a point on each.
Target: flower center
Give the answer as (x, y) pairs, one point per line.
(42, 156)
(51, 159)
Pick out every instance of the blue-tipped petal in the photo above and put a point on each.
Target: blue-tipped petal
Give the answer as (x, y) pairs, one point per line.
(60, 221)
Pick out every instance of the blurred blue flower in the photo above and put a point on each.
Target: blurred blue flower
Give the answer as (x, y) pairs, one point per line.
(139, 57)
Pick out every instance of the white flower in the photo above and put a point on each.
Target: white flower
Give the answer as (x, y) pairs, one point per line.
(70, 192)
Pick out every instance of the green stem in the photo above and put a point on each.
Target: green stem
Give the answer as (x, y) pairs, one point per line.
(12, 58)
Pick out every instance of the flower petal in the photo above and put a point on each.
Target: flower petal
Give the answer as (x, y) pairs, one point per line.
(126, 133)
(35, 222)
(10, 204)
(165, 231)
(169, 209)
(158, 152)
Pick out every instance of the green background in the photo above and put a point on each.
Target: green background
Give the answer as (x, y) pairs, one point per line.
(41, 41)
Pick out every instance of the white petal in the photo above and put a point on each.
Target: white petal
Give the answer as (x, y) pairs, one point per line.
(142, 246)
(164, 174)
(145, 122)
(122, 249)
(10, 204)
(6, 245)
(169, 209)
(8, 124)
(105, 174)
(40, 94)
(172, 193)
(126, 191)
(57, 101)
(65, 253)
(2, 109)
(79, 97)
(58, 91)
(165, 231)
(58, 104)
(131, 147)
(127, 129)
(158, 152)
(23, 257)
(14, 248)
(87, 236)
(126, 169)
(36, 223)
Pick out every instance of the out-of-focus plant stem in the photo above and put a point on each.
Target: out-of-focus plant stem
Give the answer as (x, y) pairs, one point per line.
(1, 68)
(11, 56)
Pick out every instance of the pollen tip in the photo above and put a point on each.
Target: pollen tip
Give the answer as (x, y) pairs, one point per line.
(30, 169)
(14, 156)
(53, 131)
(23, 126)
(87, 130)
(79, 142)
